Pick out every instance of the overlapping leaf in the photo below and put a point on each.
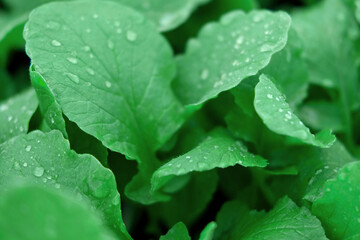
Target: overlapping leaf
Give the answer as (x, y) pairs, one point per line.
(277, 115)
(339, 207)
(226, 52)
(177, 232)
(45, 158)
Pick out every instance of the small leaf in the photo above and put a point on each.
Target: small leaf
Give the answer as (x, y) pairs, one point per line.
(277, 115)
(177, 232)
(47, 214)
(227, 52)
(15, 114)
(219, 150)
(208, 232)
(339, 207)
(45, 158)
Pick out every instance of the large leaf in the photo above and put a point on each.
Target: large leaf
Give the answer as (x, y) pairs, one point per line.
(277, 115)
(328, 30)
(339, 207)
(177, 232)
(47, 214)
(112, 80)
(226, 52)
(15, 114)
(45, 158)
(284, 221)
(219, 150)
(208, 232)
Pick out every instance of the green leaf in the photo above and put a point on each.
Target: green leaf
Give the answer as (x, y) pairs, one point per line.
(15, 114)
(227, 52)
(112, 80)
(50, 109)
(339, 207)
(219, 150)
(53, 120)
(284, 221)
(328, 31)
(289, 70)
(45, 158)
(166, 14)
(47, 214)
(277, 115)
(208, 232)
(177, 232)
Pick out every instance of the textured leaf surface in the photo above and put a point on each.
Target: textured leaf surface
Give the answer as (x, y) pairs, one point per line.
(110, 73)
(177, 232)
(284, 221)
(47, 215)
(228, 51)
(219, 150)
(339, 207)
(45, 158)
(15, 114)
(166, 14)
(277, 115)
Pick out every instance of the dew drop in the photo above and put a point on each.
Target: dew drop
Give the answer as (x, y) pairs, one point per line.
(116, 200)
(55, 43)
(110, 44)
(204, 74)
(3, 108)
(25, 164)
(38, 171)
(270, 96)
(108, 84)
(247, 60)
(28, 148)
(131, 36)
(86, 48)
(188, 157)
(266, 48)
(240, 40)
(10, 118)
(57, 185)
(72, 60)
(73, 77)
(95, 16)
(16, 166)
(119, 30)
(90, 71)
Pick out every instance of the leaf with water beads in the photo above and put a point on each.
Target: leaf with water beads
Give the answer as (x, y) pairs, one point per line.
(219, 150)
(228, 51)
(46, 158)
(15, 114)
(277, 115)
(339, 207)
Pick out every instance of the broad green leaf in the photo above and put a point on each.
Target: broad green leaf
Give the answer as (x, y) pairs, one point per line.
(208, 232)
(15, 114)
(277, 115)
(289, 70)
(46, 214)
(321, 115)
(110, 73)
(45, 158)
(177, 232)
(166, 14)
(285, 221)
(54, 120)
(339, 207)
(226, 52)
(219, 150)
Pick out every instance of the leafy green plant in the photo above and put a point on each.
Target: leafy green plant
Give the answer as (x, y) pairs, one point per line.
(175, 120)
